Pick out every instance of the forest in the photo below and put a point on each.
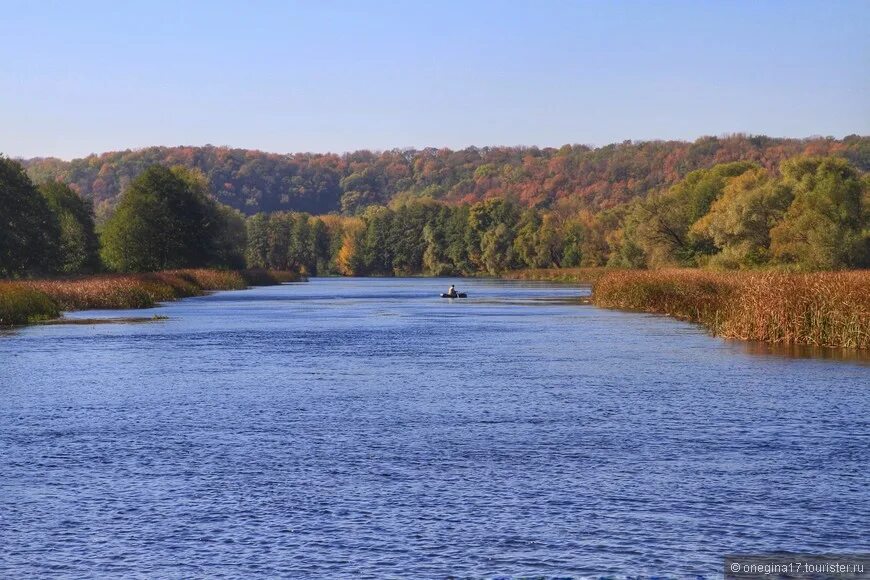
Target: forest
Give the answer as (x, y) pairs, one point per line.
(589, 177)
(806, 213)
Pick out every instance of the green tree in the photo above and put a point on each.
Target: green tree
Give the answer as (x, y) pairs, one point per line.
(362, 189)
(662, 222)
(321, 245)
(435, 260)
(29, 230)
(825, 227)
(279, 237)
(484, 217)
(739, 222)
(257, 247)
(78, 243)
(526, 240)
(406, 234)
(497, 250)
(162, 221)
(549, 243)
(230, 238)
(574, 234)
(625, 248)
(302, 256)
(377, 252)
(455, 236)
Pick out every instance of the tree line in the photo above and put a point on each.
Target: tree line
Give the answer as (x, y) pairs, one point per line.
(808, 213)
(601, 177)
(811, 214)
(166, 219)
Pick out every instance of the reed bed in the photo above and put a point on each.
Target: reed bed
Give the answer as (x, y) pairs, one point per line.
(20, 304)
(572, 275)
(28, 301)
(829, 309)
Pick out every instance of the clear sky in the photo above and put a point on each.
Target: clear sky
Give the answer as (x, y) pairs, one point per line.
(78, 77)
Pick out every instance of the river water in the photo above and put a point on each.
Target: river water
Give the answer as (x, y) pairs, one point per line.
(366, 428)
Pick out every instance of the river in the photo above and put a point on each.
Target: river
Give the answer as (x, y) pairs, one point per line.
(367, 428)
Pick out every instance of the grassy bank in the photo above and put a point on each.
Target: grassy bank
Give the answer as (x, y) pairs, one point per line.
(28, 301)
(830, 309)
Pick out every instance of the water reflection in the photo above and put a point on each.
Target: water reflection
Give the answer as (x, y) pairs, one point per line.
(801, 351)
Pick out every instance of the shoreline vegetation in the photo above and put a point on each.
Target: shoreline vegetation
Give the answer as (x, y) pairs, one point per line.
(33, 301)
(819, 309)
(825, 309)
(766, 247)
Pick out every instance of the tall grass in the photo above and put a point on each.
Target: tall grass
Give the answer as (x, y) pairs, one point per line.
(20, 304)
(27, 301)
(820, 309)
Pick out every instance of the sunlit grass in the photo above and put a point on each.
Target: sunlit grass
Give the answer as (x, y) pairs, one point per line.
(21, 304)
(27, 301)
(820, 309)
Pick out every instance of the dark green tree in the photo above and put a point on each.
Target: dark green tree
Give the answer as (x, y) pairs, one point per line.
(29, 230)
(377, 252)
(455, 236)
(321, 242)
(164, 220)
(78, 246)
(230, 238)
(257, 233)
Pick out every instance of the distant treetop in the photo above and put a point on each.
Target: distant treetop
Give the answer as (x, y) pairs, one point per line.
(597, 178)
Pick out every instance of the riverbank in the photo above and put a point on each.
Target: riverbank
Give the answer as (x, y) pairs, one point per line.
(829, 309)
(568, 275)
(30, 301)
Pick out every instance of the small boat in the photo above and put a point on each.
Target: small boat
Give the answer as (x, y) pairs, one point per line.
(457, 295)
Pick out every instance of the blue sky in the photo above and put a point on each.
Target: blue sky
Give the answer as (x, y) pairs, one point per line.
(326, 75)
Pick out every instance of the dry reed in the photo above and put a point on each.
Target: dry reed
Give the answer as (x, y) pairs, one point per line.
(830, 309)
(22, 302)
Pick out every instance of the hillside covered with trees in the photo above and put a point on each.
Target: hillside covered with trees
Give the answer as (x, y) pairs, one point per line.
(590, 178)
(808, 213)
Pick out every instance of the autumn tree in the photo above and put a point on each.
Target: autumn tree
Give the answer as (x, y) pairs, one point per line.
(348, 260)
(662, 222)
(739, 222)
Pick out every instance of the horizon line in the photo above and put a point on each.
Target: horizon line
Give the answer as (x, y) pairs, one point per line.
(424, 148)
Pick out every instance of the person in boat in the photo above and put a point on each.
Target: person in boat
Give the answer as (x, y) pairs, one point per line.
(452, 292)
